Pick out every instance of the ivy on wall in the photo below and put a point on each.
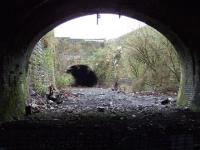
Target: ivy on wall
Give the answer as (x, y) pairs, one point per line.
(41, 67)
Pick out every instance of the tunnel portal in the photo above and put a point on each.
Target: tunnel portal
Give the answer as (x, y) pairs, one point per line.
(25, 22)
(83, 75)
(29, 21)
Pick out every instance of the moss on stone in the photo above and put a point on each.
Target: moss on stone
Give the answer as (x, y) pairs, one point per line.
(181, 99)
(195, 106)
(15, 99)
(41, 67)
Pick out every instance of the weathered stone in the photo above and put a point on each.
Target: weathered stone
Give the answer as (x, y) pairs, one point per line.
(25, 22)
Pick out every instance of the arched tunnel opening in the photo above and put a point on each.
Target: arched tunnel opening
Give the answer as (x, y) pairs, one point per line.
(139, 129)
(137, 61)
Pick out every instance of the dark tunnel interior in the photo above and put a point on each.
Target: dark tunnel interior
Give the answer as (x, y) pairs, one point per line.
(145, 127)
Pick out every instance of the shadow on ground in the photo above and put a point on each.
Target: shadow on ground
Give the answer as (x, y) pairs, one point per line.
(149, 127)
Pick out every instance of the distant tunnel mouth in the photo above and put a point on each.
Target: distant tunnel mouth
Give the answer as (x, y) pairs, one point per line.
(83, 75)
(132, 63)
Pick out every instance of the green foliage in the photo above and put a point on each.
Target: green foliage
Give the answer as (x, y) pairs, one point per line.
(40, 82)
(100, 61)
(39, 88)
(143, 56)
(48, 64)
(36, 83)
(41, 67)
(152, 60)
(63, 80)
(102, 71)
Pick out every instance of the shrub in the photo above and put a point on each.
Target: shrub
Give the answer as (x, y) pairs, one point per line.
(63, 80)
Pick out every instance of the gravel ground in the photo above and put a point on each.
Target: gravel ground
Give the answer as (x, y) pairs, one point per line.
(95, 100)
(95, 118)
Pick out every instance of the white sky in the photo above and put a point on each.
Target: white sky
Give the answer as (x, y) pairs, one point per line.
(110, 26)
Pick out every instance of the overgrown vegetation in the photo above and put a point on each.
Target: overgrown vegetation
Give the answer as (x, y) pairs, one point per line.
(41, 67)
(141, 60)
(152, 60)
(63, 80)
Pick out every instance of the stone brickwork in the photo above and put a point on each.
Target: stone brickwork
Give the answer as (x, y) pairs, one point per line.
(40, 75)
(24, 23)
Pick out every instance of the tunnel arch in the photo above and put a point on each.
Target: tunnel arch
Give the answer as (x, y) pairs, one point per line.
(48, 14)
(180, 47)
